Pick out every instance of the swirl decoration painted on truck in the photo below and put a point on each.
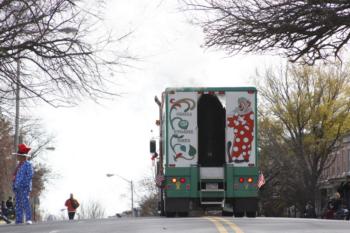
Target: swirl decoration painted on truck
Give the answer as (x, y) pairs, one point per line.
(179, 143)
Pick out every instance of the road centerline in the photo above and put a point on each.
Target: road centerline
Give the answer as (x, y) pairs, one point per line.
(233, 226)
(219, 226)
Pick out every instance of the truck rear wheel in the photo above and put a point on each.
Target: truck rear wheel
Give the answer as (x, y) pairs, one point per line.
(239, 214)
(170, 214)
(227, 213)
(182, 214)
(251, 214)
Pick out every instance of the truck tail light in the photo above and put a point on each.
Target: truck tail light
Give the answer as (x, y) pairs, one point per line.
(173, 180)
(182, 180)
(241, 180)
(250, 180)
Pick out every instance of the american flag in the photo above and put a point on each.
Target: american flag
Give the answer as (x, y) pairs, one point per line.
(159, 180)
(261, 180)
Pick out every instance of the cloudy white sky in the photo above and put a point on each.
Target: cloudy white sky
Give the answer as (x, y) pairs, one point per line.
(92, 140)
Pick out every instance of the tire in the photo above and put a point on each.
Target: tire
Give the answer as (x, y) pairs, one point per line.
(183, 214)
(227, 214)
(251, 214)
(239, 214)
(170, 214)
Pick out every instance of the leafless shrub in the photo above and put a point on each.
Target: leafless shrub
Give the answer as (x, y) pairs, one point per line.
(304, 30)
(60, 59)
(91, 210)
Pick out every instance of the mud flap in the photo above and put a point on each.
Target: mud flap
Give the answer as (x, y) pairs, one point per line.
(177, 204)
(247, 205)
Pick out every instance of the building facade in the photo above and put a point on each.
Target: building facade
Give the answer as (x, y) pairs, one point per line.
(337, 171)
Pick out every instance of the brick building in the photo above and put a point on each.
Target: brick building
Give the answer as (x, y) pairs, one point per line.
(337, 172)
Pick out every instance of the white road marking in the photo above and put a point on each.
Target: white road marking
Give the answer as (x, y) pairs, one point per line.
(54, 231)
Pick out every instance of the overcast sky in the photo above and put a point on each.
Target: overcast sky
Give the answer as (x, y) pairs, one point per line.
(92, 140)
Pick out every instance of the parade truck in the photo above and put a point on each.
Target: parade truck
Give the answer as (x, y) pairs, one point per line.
(207, 157)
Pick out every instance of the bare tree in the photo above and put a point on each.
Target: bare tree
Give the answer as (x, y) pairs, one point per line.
(307, 29)
(7, 160)
(34, 134)
(40, 179)
(38, 140)
(91, 210)
(149, 205)
(58, 60)
(149, 200)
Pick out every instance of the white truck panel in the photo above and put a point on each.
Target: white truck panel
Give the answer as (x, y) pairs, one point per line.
(240, 128)
(182, 129)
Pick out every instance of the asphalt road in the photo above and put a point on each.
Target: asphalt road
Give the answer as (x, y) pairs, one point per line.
(185, 225)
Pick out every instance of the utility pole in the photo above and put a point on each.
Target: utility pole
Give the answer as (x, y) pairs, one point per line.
(131, 189)
(132, 198)
(18, 86)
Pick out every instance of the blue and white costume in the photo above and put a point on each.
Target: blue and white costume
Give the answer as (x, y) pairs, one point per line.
(22, 186)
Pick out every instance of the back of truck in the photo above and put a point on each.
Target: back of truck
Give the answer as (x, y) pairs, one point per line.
(241, 148)
(210, 150)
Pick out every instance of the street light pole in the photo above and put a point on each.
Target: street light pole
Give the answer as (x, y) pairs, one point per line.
(16, 137)
(132, 198)
(65, 30)
(131, 189)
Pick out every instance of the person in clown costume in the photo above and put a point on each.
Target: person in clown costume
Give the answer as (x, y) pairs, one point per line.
(22, 184)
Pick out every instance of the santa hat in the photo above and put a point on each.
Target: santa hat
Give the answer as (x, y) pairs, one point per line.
(23, 150)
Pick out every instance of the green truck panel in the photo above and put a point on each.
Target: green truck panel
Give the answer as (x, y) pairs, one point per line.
(213, 131)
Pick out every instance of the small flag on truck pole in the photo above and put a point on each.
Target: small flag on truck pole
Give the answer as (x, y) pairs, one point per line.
(159, 180)
(261, 180)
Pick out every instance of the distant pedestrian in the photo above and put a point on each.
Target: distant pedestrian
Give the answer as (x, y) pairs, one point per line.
(292, 211)
(347, 197)
(4, 209)
(309, 211)
(336, 206)
(9, 203)
(72, 205)
(22, 184)
(336, 201)
(344, 190)
(3, 212)
(10, 208)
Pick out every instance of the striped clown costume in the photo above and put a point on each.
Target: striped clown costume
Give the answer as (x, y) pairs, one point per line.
(22, 185)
